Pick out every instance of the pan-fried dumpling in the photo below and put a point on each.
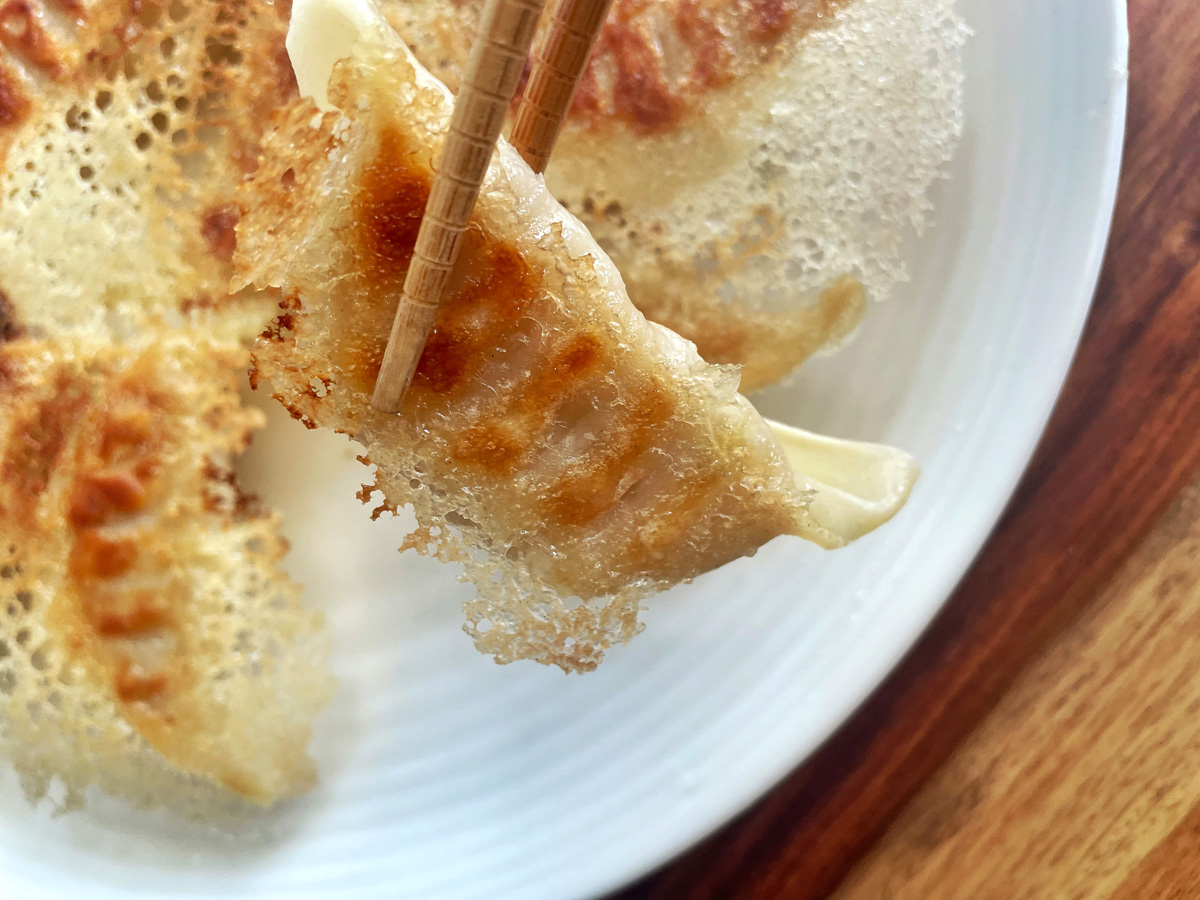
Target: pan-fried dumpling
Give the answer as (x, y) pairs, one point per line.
(127, 127)
(149, 643)
(554, 441)
(751, 166)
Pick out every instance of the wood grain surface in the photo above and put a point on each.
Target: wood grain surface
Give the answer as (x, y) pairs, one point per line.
(1086, 767)
(1043, 739)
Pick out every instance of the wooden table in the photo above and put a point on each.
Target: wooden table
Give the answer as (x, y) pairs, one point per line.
(1043, 738)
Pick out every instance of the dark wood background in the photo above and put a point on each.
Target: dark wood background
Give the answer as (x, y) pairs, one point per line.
(1124, 442)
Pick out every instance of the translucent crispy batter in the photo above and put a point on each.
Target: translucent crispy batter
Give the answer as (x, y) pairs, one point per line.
(753, 167)
(655, 64)
(149, 643)
(127, 133)
(554, 441)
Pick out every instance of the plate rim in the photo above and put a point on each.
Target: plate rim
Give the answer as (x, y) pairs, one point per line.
(674, 835)
(688, 836)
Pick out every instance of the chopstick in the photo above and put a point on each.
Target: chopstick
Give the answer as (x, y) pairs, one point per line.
(558, 65)
(494, 69)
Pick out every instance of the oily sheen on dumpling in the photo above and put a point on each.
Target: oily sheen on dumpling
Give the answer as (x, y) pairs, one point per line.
(120, 146)
(753, 167)
(572, 455)
(149, 643)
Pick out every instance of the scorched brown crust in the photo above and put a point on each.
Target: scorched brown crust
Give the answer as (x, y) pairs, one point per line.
(656, 59)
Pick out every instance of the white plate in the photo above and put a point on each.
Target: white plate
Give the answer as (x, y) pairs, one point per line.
(445, 776)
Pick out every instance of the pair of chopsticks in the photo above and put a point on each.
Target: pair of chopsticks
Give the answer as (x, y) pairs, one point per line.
(494, 69)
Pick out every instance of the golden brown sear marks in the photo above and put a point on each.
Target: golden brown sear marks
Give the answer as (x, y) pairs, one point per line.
(101, 496)
(98, 556)
(582, 357)
(132, 685)
(491, 286)
(494, 287)
(502, 442)
(37, 442)
(14, 102)
(94, 448)
(641, 92)
(656, 59)
(10, 327)
(139, 612)
(218, 227)
(388, 206)
(493, 291)
(495, 446)
(73, 8)
(598, 483)
(22, 32)
(117, 463)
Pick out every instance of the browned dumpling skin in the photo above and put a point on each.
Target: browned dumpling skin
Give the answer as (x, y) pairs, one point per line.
(753, 167)
(151, 645)
(124, 129)
(554, 440)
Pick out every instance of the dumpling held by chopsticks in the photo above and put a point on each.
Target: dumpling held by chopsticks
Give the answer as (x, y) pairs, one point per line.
(753, 168)
(572, 455)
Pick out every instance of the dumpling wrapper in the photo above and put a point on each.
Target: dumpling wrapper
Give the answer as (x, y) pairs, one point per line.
(118, 166)
(754, 169)
(151, 644)
(572, 455)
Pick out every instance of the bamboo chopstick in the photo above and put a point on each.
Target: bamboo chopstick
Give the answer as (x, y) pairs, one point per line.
(494, 69)
(559, 61)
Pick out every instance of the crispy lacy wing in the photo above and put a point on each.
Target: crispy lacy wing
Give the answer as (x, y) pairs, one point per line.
(753, 167)
(124, 127)
(554, 441)
(149, 643)
(151, 646)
